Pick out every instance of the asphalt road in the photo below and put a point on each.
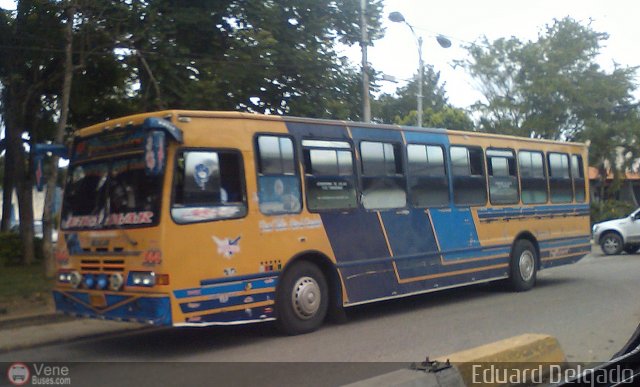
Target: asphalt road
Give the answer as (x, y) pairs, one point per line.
(592, 307)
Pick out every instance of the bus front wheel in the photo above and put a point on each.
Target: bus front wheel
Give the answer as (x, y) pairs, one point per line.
(302, 299)
(523, 266)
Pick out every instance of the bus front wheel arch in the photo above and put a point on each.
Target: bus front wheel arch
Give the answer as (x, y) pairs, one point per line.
(523, 265)
(302, 298)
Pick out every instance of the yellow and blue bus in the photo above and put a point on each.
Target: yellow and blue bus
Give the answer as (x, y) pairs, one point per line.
(196, 218)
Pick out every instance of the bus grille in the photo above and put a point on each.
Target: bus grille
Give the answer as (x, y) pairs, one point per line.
(102, 265)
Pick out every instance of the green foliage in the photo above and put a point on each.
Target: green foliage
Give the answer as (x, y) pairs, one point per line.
(393, 108)
(447, 118)
(550, 88)
(609, 209)
(11, 249)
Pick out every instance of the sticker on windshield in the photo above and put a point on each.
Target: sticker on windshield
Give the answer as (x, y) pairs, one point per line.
(119, 219)
(201, 175)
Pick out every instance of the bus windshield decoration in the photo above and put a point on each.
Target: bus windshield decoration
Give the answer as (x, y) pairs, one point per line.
(241, 218)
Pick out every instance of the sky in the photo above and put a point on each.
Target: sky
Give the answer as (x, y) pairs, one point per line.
(466, 21)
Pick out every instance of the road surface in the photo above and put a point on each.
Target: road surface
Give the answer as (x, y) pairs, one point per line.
(592, 307)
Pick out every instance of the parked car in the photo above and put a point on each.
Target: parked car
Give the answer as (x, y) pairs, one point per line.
(617, 235)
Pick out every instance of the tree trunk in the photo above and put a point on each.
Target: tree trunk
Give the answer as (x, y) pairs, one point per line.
(48, 215)
(7, 189)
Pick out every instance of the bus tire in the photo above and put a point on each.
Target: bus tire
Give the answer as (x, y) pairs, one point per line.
(523, 266)
(611, 243)
(302, 299)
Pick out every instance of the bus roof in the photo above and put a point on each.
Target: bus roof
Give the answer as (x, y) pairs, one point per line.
(138, 118)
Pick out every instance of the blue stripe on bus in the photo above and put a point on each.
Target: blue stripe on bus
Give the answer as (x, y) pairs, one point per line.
(513, 212)
(199, 306)
(238, 286)
(455, 228)
(355, 235)
(216, 281)
(563, 242)
(304, 130)
(474, 252)
(232, 317)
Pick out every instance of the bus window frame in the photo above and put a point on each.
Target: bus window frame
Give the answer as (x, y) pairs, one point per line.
(296, 167)
(243, 182)
(573, 178)
(544, 170)
(549, 177)
(517, 176)
(447, 173)
(484, 175)
(403, 164)
(354, 169)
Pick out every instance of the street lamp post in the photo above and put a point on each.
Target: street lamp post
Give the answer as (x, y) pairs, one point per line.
(397, 17)
(364, 41)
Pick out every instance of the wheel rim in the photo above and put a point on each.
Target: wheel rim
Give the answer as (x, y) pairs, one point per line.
(306, 297)
(527, 265)
(610, 245)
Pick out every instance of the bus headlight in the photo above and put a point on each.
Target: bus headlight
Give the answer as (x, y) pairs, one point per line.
(88, 280)
(141, 278)
(64, 277)
(75, 279)
(102, 281)
(116, 281)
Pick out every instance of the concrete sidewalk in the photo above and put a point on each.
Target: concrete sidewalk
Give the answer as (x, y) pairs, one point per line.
(41, 327)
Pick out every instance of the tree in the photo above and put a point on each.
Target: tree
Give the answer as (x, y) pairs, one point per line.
(391, 108)
(549, 88)
(27, 76)
(447, 118)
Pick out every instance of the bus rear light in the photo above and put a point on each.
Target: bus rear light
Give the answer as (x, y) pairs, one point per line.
(116, 281)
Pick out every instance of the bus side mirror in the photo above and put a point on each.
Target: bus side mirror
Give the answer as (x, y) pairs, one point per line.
(39, 152)
(155, 152)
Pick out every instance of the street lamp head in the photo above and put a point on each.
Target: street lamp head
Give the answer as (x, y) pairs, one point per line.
(443, 41)
(396, 17)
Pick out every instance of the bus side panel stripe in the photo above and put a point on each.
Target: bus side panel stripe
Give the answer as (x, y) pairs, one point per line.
(354, 236)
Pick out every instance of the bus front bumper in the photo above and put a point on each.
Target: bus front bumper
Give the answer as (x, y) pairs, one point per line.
(147, 309)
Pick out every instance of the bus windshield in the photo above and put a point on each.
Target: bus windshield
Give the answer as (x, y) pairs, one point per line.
(110, 194)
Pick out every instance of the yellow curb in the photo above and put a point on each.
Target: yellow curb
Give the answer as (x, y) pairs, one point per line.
(525, 356)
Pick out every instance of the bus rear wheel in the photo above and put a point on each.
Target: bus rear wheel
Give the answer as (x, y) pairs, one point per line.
(523, 266)
(302, 299)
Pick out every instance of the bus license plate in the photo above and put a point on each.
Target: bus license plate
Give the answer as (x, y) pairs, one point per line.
(98, 300)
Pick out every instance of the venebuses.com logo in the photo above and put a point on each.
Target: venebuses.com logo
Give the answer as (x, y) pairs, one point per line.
(20, 374)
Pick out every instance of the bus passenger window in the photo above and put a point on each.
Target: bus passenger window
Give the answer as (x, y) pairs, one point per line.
(330, 179)
(428, 183)
(278, 182)
(503, 179)
(533, 180)
(559, 178)
(467, 169)
(577, 174)
(383, 182)
(208, 185)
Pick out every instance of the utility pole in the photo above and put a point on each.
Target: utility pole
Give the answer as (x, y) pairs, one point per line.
(364, 42)
(420, 76)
